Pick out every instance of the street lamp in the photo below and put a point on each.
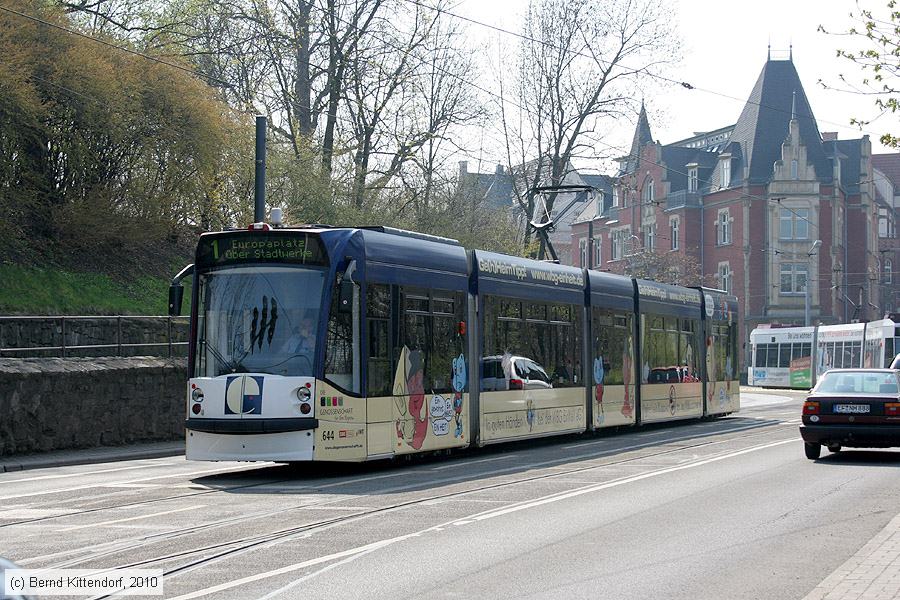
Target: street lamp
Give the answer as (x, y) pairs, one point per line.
(812, 252)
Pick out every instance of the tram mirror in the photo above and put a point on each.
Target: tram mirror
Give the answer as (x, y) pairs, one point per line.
(176, 295)
(345, 297)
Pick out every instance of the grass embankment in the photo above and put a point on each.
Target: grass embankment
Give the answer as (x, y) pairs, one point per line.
(52, 291)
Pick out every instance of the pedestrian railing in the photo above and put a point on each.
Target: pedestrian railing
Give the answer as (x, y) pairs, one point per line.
(95, 336)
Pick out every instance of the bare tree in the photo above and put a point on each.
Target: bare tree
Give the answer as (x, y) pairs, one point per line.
(577, 69)
(877, 34)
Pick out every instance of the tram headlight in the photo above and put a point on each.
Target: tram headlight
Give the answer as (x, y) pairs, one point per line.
(197, 395)
(303, 394)
(305, 408)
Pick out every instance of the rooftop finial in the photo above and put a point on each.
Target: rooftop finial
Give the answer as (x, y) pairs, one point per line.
(769, 55)
(791, 52)
(794, 106)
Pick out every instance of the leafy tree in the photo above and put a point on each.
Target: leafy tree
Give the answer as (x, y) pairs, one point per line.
(102, 146)
(877, 35)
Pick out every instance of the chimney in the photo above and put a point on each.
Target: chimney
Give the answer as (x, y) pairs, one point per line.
(463, 167)
(829, 136)
(499, 170)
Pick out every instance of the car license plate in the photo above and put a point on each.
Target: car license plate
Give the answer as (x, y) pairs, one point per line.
(851, 408)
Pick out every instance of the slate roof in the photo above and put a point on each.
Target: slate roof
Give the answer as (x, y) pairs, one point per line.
(849, 152)
(642, 137)
(677, 157)
(889, 164)
(764, 125)
(495, 188)
(603, 183)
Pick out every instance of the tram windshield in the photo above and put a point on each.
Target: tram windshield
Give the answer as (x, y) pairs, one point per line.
(258, 320)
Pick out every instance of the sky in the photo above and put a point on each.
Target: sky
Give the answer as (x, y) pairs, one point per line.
(724, 47)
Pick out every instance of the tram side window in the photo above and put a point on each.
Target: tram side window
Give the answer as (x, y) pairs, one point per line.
(732, 351)
(772, 355)
(760, 356)
(378, 313)
(548, 334)
(340, 346)
(784, 355)
(612, 344)
(870, 358)
(801, 350)
(670, 350)
(429, 330)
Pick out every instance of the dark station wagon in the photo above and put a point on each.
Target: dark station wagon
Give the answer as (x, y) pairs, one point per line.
(858, 408)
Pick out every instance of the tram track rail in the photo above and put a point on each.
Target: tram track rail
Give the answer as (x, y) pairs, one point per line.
(249, 486)
(230, 548)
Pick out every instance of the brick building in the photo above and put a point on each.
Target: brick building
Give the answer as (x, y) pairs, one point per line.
(758, 207)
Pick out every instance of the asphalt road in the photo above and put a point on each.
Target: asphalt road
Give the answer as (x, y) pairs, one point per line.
(704, 509)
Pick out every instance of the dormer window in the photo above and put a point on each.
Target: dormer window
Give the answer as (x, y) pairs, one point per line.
(693, 180)
(726, 172)
(795, 170)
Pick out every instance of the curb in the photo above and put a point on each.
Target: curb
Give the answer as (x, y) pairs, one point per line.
(36, 462)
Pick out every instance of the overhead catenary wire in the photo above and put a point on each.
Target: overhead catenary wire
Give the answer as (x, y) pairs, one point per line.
(681, 83)
(464, 80)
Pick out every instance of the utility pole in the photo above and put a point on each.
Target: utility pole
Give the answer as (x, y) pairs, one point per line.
(809, 257)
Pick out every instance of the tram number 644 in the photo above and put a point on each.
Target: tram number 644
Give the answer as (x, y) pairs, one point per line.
(328, 435)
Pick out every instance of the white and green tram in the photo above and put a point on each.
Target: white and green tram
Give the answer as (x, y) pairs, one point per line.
(783, 357)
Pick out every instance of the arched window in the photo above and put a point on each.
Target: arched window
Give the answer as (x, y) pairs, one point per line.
(648, 191)
(888, 271)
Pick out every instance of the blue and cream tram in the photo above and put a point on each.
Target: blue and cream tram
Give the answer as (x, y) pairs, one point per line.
(357, 344)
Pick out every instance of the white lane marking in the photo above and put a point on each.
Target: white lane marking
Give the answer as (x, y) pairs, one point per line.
(611, 484)
(131, 485)
(472, 462)
(138, 518)
(94, 485)
(87, 473)
(440, 527)
(750, 399)
(297, 582)
(35, 513)
(691, 436)
(294, 567)
(322, 507)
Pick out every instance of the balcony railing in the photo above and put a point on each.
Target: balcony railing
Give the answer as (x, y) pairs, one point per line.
(682, 199)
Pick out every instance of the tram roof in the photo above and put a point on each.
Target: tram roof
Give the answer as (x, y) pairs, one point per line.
(525, 278)
(609, 290)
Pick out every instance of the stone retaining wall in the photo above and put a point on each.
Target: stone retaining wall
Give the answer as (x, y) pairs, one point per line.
(55, 404)
(51, 332)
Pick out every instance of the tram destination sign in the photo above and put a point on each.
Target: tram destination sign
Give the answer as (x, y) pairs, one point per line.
(260, 247)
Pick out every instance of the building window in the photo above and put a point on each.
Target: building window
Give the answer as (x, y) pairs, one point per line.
(650, 237)
(793, 224)
(598, 254)
(616, 238)
(648, 196)
(582, 252)
(793, 278)
(724, 226)
(693, 180)
(726, 172)
(794, 170)
(674, 224)
(888, 271)
(725, 276)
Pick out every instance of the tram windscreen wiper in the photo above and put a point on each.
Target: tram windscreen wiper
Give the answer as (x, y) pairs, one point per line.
(262, 328)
